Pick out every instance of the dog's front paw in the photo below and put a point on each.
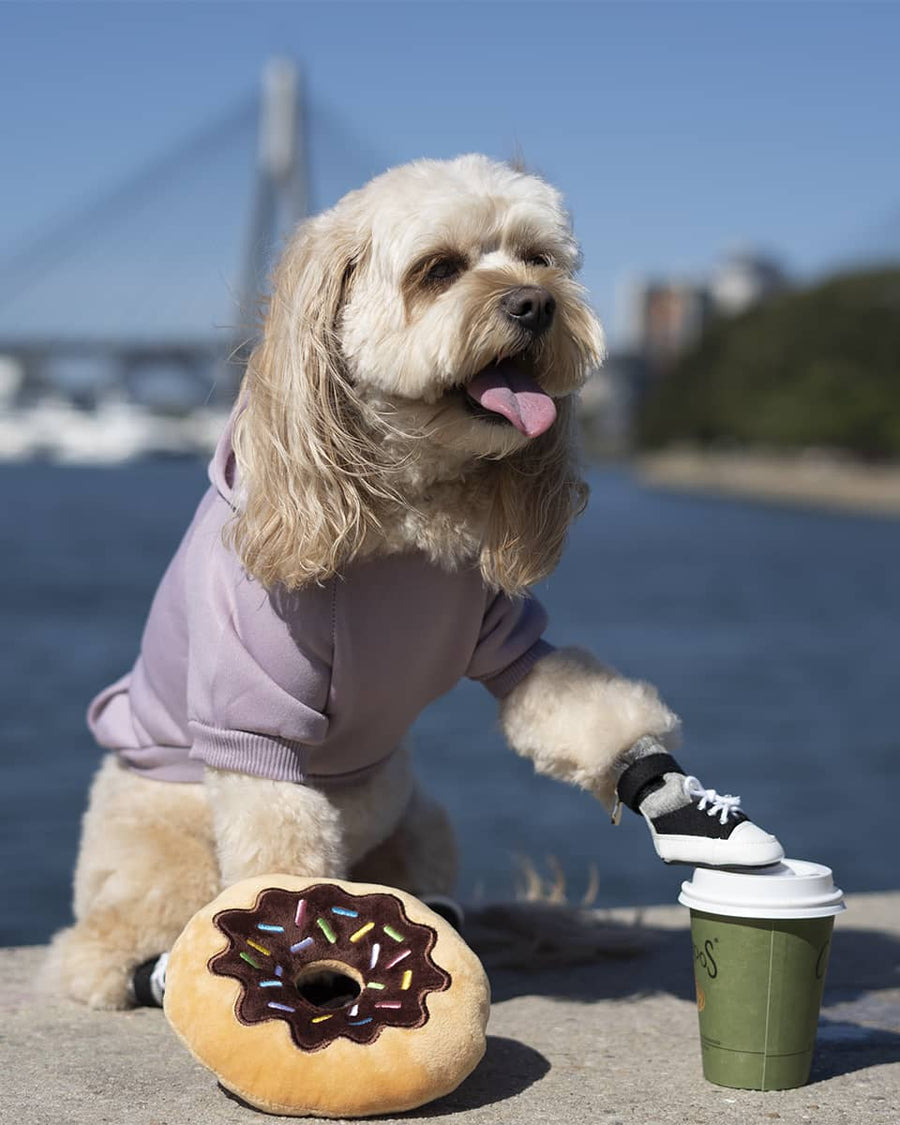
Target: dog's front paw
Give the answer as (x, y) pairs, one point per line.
(688, 823)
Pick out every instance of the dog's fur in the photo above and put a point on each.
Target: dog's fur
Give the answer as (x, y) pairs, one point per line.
(354, 440)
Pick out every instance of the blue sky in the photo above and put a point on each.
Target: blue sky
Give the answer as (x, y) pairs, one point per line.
(675, 130)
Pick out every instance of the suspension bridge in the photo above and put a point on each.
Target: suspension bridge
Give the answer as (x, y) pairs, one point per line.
(136, 309)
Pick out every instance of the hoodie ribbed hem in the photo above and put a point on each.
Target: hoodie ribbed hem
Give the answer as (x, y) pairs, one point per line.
(502, 684)
(242, 751)
(278, 759)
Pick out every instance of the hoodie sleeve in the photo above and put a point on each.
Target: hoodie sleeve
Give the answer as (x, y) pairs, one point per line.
(510, 643)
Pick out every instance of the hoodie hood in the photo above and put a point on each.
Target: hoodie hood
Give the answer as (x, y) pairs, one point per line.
(222, 469)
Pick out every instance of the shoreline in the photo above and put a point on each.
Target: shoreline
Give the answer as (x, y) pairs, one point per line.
(807, 479)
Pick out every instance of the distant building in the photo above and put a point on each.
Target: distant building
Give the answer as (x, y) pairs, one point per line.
(659, 319)
(665, 316)
(669, 317)
(743, 279)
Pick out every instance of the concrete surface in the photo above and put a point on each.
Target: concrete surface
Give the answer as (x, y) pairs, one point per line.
(610, 1041)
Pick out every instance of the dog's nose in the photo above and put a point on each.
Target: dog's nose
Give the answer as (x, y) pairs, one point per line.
(531, 307)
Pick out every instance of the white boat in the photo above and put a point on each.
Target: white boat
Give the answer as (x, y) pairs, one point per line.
(115, 432)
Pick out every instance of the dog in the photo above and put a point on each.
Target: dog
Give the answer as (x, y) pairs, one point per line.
(399, 470)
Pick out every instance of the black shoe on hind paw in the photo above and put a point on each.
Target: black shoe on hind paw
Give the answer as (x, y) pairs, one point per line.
(448, 908)
(148, 982)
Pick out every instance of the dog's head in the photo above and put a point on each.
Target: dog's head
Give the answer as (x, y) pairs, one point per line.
(427, 329)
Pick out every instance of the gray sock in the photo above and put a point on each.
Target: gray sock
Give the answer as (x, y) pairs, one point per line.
(670, 795)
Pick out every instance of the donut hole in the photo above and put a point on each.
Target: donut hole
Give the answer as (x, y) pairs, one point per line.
(329, 985)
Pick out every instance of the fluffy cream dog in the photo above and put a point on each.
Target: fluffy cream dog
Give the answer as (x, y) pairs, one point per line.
(412, 398)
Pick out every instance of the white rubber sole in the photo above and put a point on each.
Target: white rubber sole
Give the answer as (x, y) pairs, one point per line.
(748, 846)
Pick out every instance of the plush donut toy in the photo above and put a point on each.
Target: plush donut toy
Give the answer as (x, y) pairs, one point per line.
(336, 999)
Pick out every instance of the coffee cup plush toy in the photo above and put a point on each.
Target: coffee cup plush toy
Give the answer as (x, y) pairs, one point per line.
(329, 998)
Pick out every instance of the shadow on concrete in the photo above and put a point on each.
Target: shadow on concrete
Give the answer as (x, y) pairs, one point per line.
(843, 1047)
(508, 1068)
(863, 961)
(860, 1024)
(669, 970)
(544, 949)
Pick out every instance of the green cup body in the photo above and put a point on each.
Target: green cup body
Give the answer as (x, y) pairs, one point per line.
(759, 989)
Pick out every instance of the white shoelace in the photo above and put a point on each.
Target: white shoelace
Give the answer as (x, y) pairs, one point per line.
(724, 805)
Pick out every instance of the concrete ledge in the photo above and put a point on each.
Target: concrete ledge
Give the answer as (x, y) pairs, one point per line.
(607, 1042)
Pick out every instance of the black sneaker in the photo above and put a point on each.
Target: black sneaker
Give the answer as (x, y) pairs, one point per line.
(448, 908)
(706, 829)
(148, 982)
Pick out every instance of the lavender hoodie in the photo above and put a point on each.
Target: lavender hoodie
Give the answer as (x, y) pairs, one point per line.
(316, 685)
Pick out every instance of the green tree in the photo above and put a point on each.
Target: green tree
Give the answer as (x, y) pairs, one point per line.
(816, 367)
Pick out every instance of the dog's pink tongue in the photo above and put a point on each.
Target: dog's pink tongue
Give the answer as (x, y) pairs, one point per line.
(506, 389)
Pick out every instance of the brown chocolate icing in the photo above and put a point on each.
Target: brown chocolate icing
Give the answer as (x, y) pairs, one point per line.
(275, 945)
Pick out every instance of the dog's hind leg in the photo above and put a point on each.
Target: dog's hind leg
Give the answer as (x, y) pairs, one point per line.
(146, 865)
(419, 856)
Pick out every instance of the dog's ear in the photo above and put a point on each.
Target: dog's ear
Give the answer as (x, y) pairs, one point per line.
(537, 493)
(301, 448)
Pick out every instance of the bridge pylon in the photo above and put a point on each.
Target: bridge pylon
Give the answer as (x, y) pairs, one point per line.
(281, 192)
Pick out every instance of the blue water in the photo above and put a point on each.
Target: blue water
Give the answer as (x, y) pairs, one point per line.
(773, 632)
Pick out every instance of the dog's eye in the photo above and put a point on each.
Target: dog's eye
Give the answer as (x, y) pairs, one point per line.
(445, 269)
(534, 259)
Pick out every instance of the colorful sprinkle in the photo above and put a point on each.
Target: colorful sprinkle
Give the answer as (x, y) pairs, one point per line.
(362, 932)
(373, 960)
(271, 984)
(354, 1010)
(301, 945)
(407, 980)
(392, 933)
(261, 948)
(356, 1023)
(281, 1007)
(319, 1019)
(375, 984)
(398, 958)
(301, 908)
(346, 913)
(279, 972)
(326, 930)
(388, 1004)
(250, 961)
(271, 929)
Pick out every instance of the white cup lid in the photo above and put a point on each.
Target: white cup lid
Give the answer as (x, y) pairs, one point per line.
(794, 888)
